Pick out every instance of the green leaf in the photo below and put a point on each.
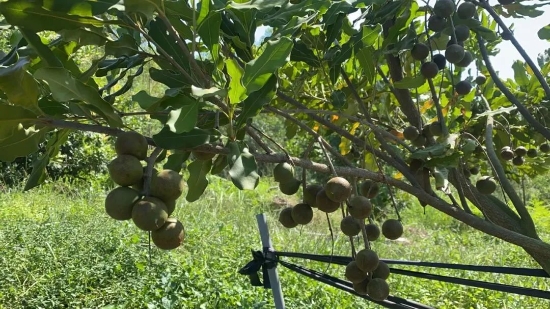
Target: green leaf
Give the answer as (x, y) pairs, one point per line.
(65, 87)
(338, 99)
(183, 119)
(334, 30)
(19, 86)
(410, 82)
(187, 140)
(175, 160)
(209, 31)
(237, 92)
(10, 118)
(207, 93)
(197, 181)
(145, 7)
(32, 16)
(158, 31)
(252, 105)
(258, 71)
(125, 46)
(219, 165)
(171, 79)
(84, 37)
(51, 107)
(520, 75)
(544, 33)
(301, 52)
(431, 151)
(21, 143)
(256, 4)
(337, 8)
(38, 174)
(243, 168)
(365, 56)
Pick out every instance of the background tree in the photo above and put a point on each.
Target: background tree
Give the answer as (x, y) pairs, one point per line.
(389, 97)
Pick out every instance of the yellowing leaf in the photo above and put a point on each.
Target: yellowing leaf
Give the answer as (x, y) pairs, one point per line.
(345, 146)
(354, 128)
(398, 176)
(427, 105)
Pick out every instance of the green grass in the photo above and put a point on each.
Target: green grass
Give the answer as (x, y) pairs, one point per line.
(59, 250)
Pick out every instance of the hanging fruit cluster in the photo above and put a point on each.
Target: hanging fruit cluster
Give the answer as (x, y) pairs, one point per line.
(150, 208)
(367, 273)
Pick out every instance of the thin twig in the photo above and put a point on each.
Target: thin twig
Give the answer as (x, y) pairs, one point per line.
(271, 140)
(309, 130)
(149, 171)
(258, 140)
(530, 243)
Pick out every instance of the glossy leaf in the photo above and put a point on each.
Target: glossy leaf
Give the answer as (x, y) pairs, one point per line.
(32, 16)
(258, 71)
(22, 142)
(65, 88)
(243, 168)
(187, 140)
(252, 105)
(145, 7)
(209, 31)
(237, 92)
(183, 119)
(175, 161)
(207, 93)
(38, 174)
(11, 116)
(19, 86)
(197, 181)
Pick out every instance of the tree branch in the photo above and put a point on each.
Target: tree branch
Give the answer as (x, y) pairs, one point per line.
(250, 131)
(485, 5)
(397, 163)
(535, 246)
(403, 96)
(311, 132)
(206, 81)
(522, 109)
(525, 217)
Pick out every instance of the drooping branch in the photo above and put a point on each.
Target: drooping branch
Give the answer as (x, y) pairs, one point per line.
(535, 246)
(398, 163)
(486, 6)
(374, 127)
(311, 132)
(363, 108)
(525, 217)
(520, 107)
